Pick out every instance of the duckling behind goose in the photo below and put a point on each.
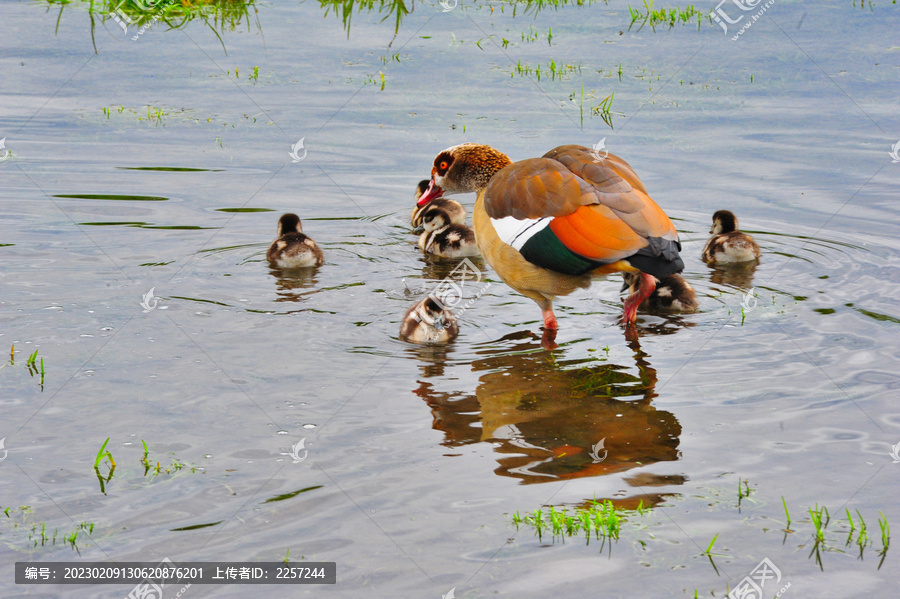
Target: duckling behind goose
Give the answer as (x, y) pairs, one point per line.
(444, 239)
(293, 249)
(672, 293)
(427, 323)
(727, 244)
(452, 211)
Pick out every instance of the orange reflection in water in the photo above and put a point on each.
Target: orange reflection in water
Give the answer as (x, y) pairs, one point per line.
(546, 416)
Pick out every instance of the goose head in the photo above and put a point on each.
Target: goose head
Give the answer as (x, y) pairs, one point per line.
(465, 168)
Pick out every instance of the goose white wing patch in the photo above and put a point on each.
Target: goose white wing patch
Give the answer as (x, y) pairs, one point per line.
(516, 232)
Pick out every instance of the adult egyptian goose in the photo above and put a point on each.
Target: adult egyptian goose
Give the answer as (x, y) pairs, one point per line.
(428, 323)
(727, 244)
(546, 225)
(452, 211)
(672, 294)
(444, 239)
(293, 249)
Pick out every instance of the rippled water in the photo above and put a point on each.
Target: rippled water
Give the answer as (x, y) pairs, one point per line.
(418, 457)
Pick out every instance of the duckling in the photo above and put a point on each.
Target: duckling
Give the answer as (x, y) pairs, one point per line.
(444, 239)
(453, 211)
(727, 244)
(672, 293)
(293, 249)
(427, 323)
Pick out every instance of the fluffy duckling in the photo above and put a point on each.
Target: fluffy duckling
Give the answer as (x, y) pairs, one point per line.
(727, 244)
(452, 211)
(427, 323)
(441, 238)
(672, 293)
(293, 249)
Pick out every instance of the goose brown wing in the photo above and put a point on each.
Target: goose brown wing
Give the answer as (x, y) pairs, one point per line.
(588, 211)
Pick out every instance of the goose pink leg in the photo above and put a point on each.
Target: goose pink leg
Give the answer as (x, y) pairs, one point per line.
(645, 288)
(549, 319)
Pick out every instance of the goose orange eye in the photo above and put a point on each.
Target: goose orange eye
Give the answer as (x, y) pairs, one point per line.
(443, 165)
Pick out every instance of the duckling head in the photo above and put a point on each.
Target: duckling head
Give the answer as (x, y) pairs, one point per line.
(429, 323)
(724, 221)
(436, 217)
(289, 223)
(630, 281)
(422, 187)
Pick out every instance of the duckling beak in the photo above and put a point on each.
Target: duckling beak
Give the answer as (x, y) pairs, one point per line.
(419, 230)
(625, 287)
(432, 193)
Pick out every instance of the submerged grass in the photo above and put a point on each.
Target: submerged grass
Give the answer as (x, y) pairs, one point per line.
(600, 520)
(553, 70)
(663, 16)
(39, 533)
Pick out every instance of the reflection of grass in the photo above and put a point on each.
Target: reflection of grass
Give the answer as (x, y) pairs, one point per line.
(396, 8)
(606, 380)
(218, 15)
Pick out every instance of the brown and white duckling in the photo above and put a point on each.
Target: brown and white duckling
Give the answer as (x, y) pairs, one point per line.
(672, 293)
(427, 323)
(293, 249)
(452, 210)
(444, 239)
(727, 243)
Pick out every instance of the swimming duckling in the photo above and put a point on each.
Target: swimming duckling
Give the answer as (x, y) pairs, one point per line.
(293, 249)
(672, 293)
(727, 243)
(444, 239)
(427, 323)
(453, 211)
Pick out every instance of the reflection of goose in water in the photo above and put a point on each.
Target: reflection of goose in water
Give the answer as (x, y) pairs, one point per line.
(545, 417)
